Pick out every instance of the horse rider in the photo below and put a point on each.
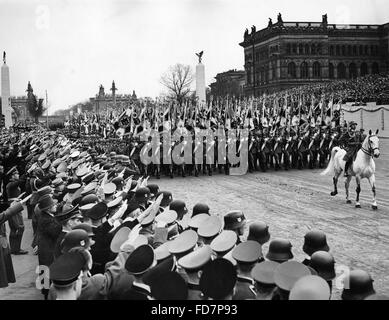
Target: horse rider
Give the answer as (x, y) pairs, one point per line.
(351, 140)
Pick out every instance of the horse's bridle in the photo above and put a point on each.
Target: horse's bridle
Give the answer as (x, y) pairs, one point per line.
(369, 152)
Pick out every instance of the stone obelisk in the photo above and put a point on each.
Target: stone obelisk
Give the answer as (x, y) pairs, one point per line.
(6, 109)
(200, 79)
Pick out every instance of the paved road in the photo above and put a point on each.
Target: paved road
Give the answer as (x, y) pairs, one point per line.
(291, 202)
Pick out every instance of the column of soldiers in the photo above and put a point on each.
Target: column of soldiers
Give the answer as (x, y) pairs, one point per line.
(301, 144)
(104, 232)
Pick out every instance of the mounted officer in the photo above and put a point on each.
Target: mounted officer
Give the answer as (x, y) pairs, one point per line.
(351, 141)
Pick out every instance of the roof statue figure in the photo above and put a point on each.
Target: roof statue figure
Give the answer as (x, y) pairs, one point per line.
(4, 56)
(325, 19)
(270, 23)
(253, 30)
(246, 33)
(200, 55)
(279, 18)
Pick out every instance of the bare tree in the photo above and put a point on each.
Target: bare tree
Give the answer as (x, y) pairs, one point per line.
(178, 80)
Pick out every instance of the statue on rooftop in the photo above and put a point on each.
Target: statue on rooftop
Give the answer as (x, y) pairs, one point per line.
(279, 18)
(325, 21)
(270, 23)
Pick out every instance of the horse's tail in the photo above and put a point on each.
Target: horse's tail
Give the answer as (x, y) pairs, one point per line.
(330, 167)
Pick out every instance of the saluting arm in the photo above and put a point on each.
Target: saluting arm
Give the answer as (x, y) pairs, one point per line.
(14, 209)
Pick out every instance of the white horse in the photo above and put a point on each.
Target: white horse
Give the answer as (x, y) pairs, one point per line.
(363, 167)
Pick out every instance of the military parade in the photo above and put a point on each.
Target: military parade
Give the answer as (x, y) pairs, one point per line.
(208, 194)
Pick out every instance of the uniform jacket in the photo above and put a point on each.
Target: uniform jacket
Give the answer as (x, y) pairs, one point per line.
(48, 232)
(101, 252)
(244, 289)
(7, 274)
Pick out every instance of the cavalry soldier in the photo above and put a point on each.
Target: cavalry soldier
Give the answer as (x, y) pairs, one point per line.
(351, 140)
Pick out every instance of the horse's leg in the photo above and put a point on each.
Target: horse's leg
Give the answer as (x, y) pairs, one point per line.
(335, 181)
(358, 190)
(347, 185)
(372, 184)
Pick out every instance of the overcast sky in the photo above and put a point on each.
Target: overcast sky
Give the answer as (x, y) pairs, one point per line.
(70, 47)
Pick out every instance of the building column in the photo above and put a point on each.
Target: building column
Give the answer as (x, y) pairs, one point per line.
(278, 69)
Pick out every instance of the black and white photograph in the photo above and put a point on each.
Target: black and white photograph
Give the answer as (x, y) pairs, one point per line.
(194, 150)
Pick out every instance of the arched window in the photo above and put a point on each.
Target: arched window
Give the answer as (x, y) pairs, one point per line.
(361, 50)
(316, 70)
(304, 70)
(292, 70)
(338, 50)
(331, 50)
(364, 70)
(307, 48)
(355, 51)
(341, 71)
(353, 71)
(343, 50)
(375, 69)
(288, 48)
(331, 71)
(301, 48)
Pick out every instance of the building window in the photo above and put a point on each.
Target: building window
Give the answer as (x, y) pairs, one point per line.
(301, 48)
(249, 76)
(331, 50)
(372, 53)
(355, 50)
(363, 69)
(257, 56)
(361, 50)
(366, 50)
(288, 48)
(307, 49)
(304, 70)
(292, 70)
(341, 71)
(274, 72)
(294, 48)
(375, 68)
(353, 71)
(313, 49)
(319, 48)
(338, 50)
(316, 70)
(349, 50)
(331, 71)
(343, 50)
(377, 50)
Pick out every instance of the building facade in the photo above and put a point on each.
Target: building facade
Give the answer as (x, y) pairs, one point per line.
(104, 103)
(289, 54)
(231, 83)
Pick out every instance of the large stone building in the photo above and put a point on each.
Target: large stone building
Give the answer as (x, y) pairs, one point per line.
(106, 102)
(288, 54)
(229, 83)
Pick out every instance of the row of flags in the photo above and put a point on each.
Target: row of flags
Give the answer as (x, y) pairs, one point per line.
(272, 111)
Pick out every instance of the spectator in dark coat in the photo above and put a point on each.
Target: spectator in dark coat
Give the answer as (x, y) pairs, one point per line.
(7, 274)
